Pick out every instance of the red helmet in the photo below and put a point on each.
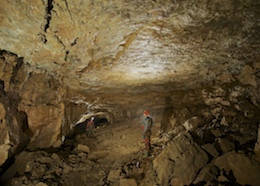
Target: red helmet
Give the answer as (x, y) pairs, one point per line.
(146, 112)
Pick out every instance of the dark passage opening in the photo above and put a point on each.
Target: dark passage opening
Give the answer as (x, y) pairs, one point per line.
(81, 127)
(70, 140)
(100, 121)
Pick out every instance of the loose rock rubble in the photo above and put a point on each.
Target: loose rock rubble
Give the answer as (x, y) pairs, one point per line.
(183, 159)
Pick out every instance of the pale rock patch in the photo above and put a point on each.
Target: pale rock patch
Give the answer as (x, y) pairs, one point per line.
(127, 182)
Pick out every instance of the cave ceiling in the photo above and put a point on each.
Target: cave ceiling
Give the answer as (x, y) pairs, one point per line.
(132, 45)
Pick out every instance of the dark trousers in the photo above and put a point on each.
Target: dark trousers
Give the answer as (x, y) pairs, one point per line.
(147, 141)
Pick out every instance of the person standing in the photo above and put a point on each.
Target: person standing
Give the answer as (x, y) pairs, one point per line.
(90, 128)
(146, 132)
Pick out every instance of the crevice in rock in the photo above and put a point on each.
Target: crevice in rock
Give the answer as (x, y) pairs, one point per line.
(8, 169)
(74, 42)
(16, 69)
(100, 121)
(248, 146)
(68, 9)
(5, 175)
(2, 87)
(42, 37)
(49, 8)
(66, 54)
(59, 40)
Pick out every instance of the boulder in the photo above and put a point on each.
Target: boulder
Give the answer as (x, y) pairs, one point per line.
(192, 123)
(45, 123)
(181, 159)
(23, 162)
(242, 138)
(35, 163)
(207, 173)
(245, 168)
(226, 145)
(177, 182)
(38, 171)
(4, 153)
(247, 76)
(113, 175)
(210, 149)
(216, 132)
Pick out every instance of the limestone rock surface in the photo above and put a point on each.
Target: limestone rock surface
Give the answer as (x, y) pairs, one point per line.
(181, 159)
(62, 62)
(112, 44)
(245, 169)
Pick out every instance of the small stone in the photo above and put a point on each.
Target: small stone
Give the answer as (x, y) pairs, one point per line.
(113, 175)
(226, 145)
(45, 160)
(225, 103)
(73, 158)
(216, 132)
(81, 148)
(123, 137)
(66, 169)
(192, 123)
(41, 184)
(237, 107)
(222, 178)
(224, 122)
(127, 182)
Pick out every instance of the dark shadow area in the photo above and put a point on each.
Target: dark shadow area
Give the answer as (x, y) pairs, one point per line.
(100, 121)
(2, 87)
(167, 113)
(229, 175)
(8, 169)
(70, 141)
(81, 127)
(248, 146)
(6, 175)
(208, 137)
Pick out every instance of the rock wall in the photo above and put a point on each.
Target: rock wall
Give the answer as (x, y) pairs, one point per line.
(37, 109)
(193, 64)
(32, 110)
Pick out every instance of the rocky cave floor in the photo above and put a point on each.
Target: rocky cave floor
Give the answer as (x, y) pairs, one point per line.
(115, 157)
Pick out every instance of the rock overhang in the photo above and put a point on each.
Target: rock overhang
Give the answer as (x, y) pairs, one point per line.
(179, 59)
(124, 44)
